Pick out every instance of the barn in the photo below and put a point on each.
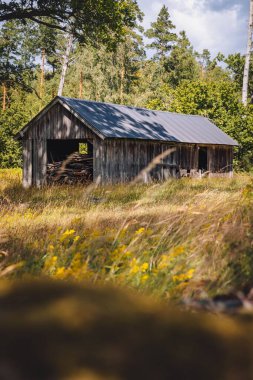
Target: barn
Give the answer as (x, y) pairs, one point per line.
(112, 143)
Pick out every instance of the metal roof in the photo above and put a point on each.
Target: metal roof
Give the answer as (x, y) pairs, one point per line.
(117, 121)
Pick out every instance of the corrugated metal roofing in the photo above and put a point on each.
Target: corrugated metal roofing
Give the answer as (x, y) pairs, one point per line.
(117, 121)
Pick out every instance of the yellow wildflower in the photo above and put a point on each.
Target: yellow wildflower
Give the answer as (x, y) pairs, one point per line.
(181, 286)
(164, 262)
(50, 247)
(76, 238)
(95, 233)
(144, 278)
(184, 276)
(133, 262)
(134, 266)
(50, 262)
(140, 231)
(67, 234)
(190, 273)
(144, 267)
(60, 273)
(135, 269)
(177, 251)
(76, 262)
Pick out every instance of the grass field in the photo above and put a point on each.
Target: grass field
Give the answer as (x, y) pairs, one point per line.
(182, 238)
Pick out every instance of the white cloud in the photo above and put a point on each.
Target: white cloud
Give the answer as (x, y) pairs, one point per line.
(220, 29)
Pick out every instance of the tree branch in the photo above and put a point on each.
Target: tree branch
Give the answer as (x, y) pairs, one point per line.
(53, 26)
(33, 13)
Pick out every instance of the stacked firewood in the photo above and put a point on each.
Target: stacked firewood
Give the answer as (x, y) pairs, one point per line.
(77, 168)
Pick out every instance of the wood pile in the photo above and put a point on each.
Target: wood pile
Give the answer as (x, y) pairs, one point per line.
(77, 168)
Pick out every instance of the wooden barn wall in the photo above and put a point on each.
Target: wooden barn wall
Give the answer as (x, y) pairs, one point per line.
(58, 123)
(188, 157)
(220, 160)
(122, 160)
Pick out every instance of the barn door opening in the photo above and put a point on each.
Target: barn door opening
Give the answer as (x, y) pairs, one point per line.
(203, 159)
(69, 161)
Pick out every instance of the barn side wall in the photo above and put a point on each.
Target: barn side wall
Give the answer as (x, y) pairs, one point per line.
(123, 160)
(220, 161)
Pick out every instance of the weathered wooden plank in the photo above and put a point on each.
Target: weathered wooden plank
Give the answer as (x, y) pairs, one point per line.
(27, 163)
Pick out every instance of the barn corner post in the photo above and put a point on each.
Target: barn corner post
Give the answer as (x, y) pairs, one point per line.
(27, 163)
(42, 163)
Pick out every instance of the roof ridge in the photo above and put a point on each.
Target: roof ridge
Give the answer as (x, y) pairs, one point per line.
(132, 107)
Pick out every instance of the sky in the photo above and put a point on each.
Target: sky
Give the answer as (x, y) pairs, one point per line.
(216, 25)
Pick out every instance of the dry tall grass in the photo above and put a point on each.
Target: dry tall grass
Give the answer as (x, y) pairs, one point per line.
(182, 237)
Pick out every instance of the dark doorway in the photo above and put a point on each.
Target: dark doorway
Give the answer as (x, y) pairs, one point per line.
(69, 161)
(203, 159)
(60, 150)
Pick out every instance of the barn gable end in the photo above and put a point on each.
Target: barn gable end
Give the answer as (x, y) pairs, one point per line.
(57, 123)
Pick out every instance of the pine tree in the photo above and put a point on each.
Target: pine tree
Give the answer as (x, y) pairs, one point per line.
(161, 34)
(235, 63)
(17, 53)
(182, 64)
(128, 57)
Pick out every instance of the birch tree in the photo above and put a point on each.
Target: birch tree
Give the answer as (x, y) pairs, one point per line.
(65, 63)
(247, 57)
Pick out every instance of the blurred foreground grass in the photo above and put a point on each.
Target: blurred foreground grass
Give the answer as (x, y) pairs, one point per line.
(60, 330)
(181, 238)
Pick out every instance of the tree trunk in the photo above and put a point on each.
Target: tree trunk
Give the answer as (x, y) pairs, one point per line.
(81, 85)
(42, 76)
(122, 82)
(247, 58)
(65, 63)
(4, 96)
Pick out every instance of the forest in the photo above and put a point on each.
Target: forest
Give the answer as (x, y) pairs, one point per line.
(123, 281)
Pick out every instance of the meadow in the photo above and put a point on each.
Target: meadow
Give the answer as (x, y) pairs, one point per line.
(180, 239)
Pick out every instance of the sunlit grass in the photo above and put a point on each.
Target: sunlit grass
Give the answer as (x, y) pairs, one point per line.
(179, 238)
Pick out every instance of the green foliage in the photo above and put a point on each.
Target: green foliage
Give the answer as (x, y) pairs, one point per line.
(107, 75)
(10, 151)
(88, 20)
(17, 51)
(12, 120)
(235, 63)
(219, 101)
(83, 148)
